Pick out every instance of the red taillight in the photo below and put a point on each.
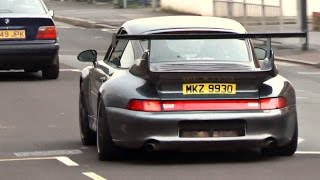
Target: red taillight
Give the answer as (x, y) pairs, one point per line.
(47, 32)
(145, 105)
(211, 105)
(272, 103)
(207, 105)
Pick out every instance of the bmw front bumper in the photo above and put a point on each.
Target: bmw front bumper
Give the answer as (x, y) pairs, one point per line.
(133, 129)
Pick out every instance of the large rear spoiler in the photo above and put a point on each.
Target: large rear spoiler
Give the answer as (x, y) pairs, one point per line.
(213, 35)
(210, 36)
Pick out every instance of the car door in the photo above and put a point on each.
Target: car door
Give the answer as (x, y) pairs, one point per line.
(120, 58)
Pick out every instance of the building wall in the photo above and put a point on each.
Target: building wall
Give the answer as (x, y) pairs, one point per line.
(197, 7)
(205, 7)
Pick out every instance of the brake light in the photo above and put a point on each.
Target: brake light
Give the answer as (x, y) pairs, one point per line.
(272, 103)
(211, 105)
(207, 105)
(47, 32)
(145, 105)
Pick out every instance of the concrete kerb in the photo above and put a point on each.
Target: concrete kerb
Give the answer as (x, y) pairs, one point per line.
(282, 59)
(83, 23)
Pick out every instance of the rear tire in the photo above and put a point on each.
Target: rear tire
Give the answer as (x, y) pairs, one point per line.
(107, 151)
(287, 150)
(51, 71)
(88, 137)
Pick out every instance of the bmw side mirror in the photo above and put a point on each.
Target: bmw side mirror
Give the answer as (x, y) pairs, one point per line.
(88, 56)
(51, 13)
(261, 53)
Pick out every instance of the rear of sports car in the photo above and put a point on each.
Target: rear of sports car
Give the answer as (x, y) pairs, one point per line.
(200, 95)
(28, 38)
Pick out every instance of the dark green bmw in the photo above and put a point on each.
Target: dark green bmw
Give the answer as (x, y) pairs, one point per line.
(28, 38)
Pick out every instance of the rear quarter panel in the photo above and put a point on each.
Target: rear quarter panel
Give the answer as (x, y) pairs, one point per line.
(278, 86)
(123, 86)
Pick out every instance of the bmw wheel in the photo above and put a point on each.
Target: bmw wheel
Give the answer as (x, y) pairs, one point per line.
(51, 71)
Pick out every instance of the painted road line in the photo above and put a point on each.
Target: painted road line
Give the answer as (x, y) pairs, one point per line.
(285, 64)
(49, 153)
(93, 176)
(67, 161)
(302, 97)
(308, 152)
(27, 159)
(309, 73)
(70, 70)
(300, 140)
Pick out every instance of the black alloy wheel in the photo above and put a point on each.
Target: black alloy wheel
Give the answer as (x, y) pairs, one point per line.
(88, 137)
(107, 151)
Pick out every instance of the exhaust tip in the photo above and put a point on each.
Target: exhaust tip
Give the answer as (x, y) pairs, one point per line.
(149, 147)
(270, 143)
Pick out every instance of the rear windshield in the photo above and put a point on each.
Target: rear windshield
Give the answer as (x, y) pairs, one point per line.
(21, 6)
(202, 49)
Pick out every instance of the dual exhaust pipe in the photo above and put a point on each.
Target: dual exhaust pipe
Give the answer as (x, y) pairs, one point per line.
(150, 147)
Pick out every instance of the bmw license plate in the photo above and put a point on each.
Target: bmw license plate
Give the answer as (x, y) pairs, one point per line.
(12, 34)
(209, 88)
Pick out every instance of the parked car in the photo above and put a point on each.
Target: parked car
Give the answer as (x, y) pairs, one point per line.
(28, 38)
(186, 83)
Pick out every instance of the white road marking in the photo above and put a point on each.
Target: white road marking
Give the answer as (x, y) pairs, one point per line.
(93, 176)
(70, 70)
(308, 152)
(27, 159)
(67, 161)
(300, 140)
(302, 97)
(48, 153)
(285, 64)
(309, 73)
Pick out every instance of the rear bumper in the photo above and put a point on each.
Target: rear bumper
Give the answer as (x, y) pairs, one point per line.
(132, 129)
(19, 56)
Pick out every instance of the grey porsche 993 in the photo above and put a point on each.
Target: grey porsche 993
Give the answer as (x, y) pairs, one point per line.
(186, 83)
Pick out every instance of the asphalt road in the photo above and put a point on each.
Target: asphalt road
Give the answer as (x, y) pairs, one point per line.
(39, 133)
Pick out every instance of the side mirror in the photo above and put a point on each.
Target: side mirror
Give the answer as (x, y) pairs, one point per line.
(88, 56)
(51, 13)
(261, 53)
(145, 56)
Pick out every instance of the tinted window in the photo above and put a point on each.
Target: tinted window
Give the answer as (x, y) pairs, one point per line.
(193, 50)
(123, 55)
(21, 6)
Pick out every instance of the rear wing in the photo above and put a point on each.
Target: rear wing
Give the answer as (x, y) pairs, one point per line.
(211, 36)
(214, 35)
(272, 70)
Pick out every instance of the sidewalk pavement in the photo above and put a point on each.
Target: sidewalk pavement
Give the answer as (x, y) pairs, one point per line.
(104, 15)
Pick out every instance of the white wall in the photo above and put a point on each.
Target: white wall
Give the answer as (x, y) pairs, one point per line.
(205, 7)
(198, 7)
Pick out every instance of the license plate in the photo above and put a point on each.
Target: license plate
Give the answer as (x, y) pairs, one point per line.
(12, 34)
(209, 88)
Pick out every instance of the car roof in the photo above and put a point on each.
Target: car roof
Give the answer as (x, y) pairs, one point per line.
(167, 23)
